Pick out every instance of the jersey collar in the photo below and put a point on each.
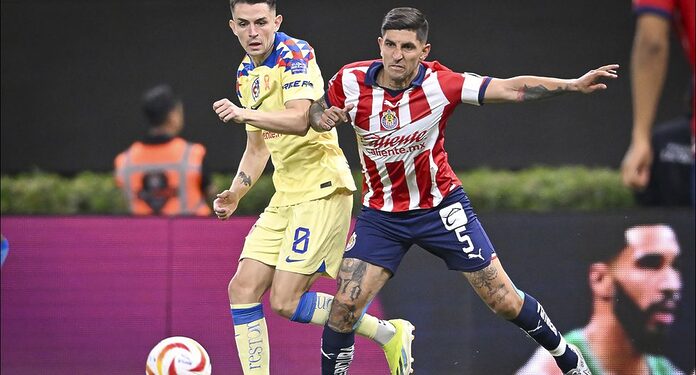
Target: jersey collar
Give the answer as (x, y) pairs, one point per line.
(375, 67)
(271, 60)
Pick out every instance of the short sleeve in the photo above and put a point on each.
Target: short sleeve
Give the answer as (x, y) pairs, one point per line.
(474, 88)
(334, 91)
(301, 77)
(664, 8)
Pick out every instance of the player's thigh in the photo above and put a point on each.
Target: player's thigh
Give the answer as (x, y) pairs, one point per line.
(250, 281)
(315, 236)
(288, 287)
(453, 232)
(379, 239)
(264, 241)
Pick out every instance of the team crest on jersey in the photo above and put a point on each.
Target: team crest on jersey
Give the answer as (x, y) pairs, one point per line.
(351, 241)
(255, 89)
(389, 120)
(298, 66)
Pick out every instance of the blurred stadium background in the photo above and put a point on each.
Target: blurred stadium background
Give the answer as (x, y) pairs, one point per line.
(93, 294)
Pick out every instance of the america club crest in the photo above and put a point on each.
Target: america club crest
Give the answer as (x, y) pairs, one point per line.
(389, 120)
(255, 89)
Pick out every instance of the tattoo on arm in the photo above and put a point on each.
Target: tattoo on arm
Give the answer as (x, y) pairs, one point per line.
(315, 111)
(528, 93)
(245, 178)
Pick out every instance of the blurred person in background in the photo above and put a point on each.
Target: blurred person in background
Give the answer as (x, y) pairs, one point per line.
(649, 61)
(635, 292)
(671, 170)
(163, 174)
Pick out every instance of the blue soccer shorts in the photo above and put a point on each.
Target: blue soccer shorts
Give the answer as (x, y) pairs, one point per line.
(450, 231)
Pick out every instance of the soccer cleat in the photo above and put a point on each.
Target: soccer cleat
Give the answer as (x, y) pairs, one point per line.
(581, 368)
(398, 349)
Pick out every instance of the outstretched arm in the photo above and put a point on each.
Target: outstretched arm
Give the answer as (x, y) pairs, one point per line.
(291, 120)
(527, 88)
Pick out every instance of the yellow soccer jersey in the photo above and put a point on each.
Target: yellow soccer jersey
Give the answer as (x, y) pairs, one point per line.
(308, 167)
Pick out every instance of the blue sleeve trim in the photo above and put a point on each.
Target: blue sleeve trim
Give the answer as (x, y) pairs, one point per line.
(305, 308)
(653, 10)
(482, 90)
(248, 315)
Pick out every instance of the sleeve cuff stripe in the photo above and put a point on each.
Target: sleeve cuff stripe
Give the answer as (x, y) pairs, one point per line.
(482, 90)
(653, 10)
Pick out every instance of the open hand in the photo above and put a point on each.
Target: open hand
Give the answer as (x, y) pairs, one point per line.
(589, 82)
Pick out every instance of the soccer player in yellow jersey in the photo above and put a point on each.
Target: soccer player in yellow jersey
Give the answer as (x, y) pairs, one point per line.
(301, 234)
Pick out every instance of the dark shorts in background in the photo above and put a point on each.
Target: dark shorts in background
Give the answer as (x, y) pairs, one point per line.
(450, 231)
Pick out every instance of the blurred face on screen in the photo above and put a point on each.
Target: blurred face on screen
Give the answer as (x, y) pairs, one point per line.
(255, 26)
(401, 53)
(647, 285)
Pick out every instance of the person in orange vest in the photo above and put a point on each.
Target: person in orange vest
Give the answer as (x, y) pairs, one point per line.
(163, 174)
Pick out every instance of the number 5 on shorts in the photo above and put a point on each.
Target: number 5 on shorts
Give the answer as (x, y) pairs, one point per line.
(300, 243)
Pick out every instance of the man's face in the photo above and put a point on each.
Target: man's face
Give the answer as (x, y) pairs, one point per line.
(648, 286)
(255, 26)
(401, 53)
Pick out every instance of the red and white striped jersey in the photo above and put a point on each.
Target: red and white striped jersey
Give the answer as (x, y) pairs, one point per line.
(401, 134)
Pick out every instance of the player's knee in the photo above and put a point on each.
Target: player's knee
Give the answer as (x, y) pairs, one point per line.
(283, 305)
(506, 308)
(241, 292)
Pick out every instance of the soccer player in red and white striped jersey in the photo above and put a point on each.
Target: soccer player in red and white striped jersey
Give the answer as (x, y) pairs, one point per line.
(399, 106)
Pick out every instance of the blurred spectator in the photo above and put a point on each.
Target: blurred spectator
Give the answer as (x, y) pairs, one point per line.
(635, 292)
(649, 60)
(163, 174)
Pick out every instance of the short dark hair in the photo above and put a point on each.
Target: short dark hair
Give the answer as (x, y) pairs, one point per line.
(157, 103)
(406, 19)
(616, 243)
(271, 3)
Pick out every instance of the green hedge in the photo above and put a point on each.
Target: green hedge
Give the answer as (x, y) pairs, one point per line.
(534, 189)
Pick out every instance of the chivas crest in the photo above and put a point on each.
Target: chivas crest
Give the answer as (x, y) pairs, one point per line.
(389, 120)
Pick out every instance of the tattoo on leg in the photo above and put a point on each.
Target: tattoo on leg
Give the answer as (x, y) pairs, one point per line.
(343, 317)
(484, 282)
(347, 307)
(351, 272)
(246, 179)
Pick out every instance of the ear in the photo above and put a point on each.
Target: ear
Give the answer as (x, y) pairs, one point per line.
(277, 21)
(233, 26)
(601, 281)
(426, 52)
